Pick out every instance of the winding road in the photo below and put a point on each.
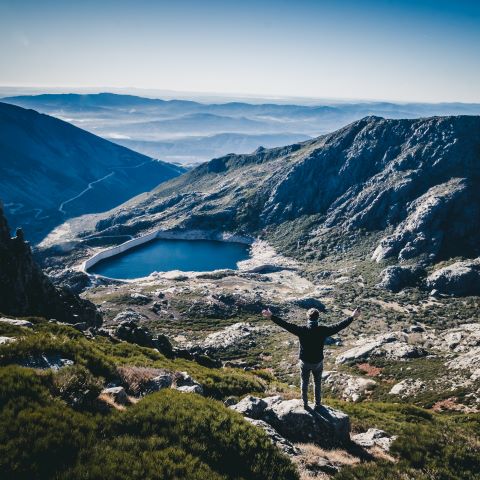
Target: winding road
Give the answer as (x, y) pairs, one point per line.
(91, 184)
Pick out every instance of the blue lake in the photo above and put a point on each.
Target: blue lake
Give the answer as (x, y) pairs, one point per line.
(164, 255)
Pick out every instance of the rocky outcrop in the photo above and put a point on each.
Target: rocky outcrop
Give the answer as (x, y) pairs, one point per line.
(26, 290)
(459, 339)
(47, 361)
(407, 388)
(460, 278)
(468, 361)
(309, 302)
(130, 331)
(324, 426)
(443, 210)
(393, 346)
(16, 322)
(236, 334)
(397, 277)
(74, 280)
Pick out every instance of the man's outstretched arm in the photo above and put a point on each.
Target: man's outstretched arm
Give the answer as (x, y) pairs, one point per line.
(290, 327)
(337, 327)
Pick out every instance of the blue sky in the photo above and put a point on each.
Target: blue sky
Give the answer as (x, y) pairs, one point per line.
(395, 50)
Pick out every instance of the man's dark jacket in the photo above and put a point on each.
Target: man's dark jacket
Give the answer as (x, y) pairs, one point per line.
(312, 339)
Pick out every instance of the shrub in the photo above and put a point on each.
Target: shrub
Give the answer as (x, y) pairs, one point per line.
(38, 434)
(77, 386)
(207, 430)
(168, 435)
(80, 350)
(130, 458)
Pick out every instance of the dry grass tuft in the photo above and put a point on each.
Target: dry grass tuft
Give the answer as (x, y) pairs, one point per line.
(318, 463)
(134, 379)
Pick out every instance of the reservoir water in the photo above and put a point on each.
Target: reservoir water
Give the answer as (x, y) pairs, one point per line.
(163, 255)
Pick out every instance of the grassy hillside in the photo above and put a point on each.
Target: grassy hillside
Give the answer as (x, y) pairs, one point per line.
(173, 435)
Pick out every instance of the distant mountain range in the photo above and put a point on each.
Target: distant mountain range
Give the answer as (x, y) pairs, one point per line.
(413, 184)
(51, 171)
(164, 128)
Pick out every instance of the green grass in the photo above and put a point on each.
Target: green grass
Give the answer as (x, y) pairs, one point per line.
(169, 435)
(429, 445)
(101, 357)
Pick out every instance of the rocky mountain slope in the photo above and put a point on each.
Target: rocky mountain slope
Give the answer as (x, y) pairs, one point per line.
(26, 290)
(413, 185)
(51, 170)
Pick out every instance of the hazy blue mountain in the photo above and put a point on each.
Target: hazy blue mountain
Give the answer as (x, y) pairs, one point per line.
(149, 123)
(51, 170)
(207, 147)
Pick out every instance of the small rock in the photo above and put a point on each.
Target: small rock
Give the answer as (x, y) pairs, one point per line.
(159, 382)
(185, 383)
(4, 340)
(16, 323)
(118, 395)
(190, 389)
(374, 437)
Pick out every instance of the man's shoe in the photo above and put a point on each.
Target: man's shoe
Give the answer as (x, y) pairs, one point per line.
(306, 406)
(318, 406)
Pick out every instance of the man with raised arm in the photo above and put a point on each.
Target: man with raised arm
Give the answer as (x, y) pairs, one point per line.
(312, 339)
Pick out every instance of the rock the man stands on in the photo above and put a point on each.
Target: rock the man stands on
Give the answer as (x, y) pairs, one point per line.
(312, 339)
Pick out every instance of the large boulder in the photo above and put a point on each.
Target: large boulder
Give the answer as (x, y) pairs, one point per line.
(324, 426)
(460, 278)
(397, 277)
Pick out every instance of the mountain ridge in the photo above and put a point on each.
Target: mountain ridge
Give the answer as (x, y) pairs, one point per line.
(394, 177)
(49, 169)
